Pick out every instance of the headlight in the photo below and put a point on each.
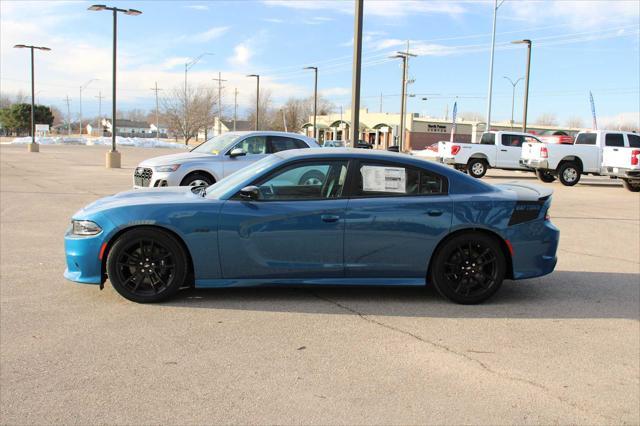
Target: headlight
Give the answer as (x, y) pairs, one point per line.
(169, 168)
(85, 227)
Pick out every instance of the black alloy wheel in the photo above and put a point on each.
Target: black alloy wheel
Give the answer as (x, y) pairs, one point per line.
(545, 175)
(631, 186)
(147, 265)
(469, 268)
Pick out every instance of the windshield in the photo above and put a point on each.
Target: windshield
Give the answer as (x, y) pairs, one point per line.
(226, 184)
(216, 144)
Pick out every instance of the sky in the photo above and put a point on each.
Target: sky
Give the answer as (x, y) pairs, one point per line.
(578, 46)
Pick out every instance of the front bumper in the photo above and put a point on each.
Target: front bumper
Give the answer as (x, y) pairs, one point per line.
(533, 163)
(155, 179)
(83, 258)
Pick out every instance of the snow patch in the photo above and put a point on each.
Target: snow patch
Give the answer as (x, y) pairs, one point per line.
(120, 141)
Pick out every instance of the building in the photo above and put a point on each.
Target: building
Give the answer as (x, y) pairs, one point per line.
(382, 129)
(128, 128)
(225, 126)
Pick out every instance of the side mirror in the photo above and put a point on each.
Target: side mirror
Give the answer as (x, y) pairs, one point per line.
(237, 152)
(250, 193)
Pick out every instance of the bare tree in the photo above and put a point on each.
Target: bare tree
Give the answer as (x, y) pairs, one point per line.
(188, 112)
(267, 113)
(58, 117)
(575, 122)
(299, 111)
(547, 119)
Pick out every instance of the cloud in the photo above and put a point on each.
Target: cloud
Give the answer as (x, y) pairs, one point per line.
(274, 20)
(242, 53)
(317, 20)
(173, 62)
(335, 91)
(210, 34)
(622, 119)
(197, 6)
(382, 8)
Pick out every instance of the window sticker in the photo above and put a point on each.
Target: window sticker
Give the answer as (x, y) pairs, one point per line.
(383, 179)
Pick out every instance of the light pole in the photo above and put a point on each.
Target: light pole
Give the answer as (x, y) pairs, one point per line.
(357, 71)
(496, 6)
(84, 86)
(113, 159)
(405, 58)
(33, 146)
(513, 95)
(219, 80)
(526, 82)
(425, 108)
(257, 99)
(315, 100)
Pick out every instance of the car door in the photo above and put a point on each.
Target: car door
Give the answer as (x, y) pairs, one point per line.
(295, 229)
(395, 217)
(254, 148)
(509, 151)
(614, 152)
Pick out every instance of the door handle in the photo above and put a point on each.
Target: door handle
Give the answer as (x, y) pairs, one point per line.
(615, 149)
(330, 218)
(503, 150)
(434, 212)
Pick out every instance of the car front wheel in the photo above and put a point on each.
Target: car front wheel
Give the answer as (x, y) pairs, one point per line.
(569, 173)
(197, 179)
(477, 167)
(147, 265)
(469, 268)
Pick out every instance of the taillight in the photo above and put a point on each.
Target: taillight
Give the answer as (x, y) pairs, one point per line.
(455, 149)
(544, 152)
(635, 154)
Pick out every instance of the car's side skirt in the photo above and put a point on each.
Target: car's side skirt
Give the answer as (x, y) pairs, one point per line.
(218, 283)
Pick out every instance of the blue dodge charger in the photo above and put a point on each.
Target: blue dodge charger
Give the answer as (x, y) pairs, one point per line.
(365, 218)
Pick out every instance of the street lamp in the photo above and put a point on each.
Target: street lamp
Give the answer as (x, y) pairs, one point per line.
(496, 6)
(403, 99)
(315, 100)
(513, 95)
(526, 82)
(84, 86)
(33, 146)
(187, 67)
(113, 159)
(257, 98)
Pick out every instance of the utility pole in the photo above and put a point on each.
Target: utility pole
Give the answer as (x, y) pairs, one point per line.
(403, 99)
(100, 110)
(68, 102)
(380, 101)
(356, 73)
(235, 107)
(526, 82)
(219, 80)
(155, 89)
(493, 48)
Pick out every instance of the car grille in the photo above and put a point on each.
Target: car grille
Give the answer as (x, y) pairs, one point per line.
(142, 176)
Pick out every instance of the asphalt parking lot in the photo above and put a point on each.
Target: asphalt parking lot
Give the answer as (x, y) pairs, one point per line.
(558, 349)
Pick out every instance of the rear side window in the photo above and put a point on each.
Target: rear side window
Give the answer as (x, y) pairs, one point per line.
(614, 139)
(488, 139)
(634, 141)
(512, 140)
(281, 143)
(396, 180)
(586, 139)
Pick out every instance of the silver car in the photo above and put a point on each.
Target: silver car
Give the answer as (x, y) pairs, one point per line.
(216, 158)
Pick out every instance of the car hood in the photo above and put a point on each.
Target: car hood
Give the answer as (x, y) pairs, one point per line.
(179, 158)
(137, 197)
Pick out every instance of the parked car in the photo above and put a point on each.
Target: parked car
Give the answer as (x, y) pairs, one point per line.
(556, 136)
(499, 150)
(430, 152)
(602, 152)
(363, 145)
(333, 144)
(216, 158)
(375, 217)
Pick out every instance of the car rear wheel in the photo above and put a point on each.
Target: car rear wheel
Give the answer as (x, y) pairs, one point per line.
(312, 177)
(469, 268)
(197, 179)
(147, 265)
(569, 173)
(545, 175)
(477, 167)
(631, 186)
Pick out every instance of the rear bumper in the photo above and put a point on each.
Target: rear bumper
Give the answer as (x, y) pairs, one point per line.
(450, 161)
(632, 174)
(532, 163)
(535, 246)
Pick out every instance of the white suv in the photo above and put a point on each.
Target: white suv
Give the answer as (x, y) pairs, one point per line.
(216, 158)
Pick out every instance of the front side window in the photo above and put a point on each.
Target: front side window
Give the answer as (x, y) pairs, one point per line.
(305, 181)
(634, 141)
(387, 179)
(586, 139)
(531, 139)
(253, 145)
(281, 143)
(488, 139)
(512, 140)
(614, 139)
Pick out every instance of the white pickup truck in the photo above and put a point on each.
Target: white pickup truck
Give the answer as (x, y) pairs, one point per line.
(499, 150)
(600, 152)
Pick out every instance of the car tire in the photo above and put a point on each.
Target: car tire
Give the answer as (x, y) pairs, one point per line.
(455, 270)
(312, 177)
(545, 175)
(477, 167)
(461, 168)
(147, 265)
(569, 173)
(631, 186)
(197, 179)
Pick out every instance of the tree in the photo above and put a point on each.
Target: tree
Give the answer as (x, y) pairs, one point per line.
(188, 112)
(17, 117)
(58, 117)
(267, 114)
(297, 112)
(547, 119)
(575, 122)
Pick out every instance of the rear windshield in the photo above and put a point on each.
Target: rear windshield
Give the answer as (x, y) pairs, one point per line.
(488, 139)
(586, 139)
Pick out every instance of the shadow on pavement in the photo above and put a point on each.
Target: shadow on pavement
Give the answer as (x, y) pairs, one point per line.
(563, 294)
